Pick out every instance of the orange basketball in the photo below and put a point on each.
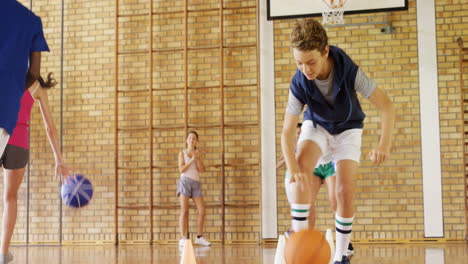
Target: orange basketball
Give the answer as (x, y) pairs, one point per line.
(307, 247)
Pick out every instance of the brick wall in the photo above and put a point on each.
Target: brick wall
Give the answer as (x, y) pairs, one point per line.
(88, 118)
(451, 23)
(389, 202)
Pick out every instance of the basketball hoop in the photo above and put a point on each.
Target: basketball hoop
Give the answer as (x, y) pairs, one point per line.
(333, 13)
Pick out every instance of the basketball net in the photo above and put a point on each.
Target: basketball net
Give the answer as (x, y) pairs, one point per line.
(333, 13)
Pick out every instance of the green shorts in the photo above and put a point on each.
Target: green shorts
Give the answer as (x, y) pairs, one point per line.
(324, 171)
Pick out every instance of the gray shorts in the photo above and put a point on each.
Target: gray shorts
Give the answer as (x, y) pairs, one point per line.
(14, 157)
(189, 187)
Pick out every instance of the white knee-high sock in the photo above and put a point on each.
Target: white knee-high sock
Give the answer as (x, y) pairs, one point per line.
(343, 233)
(299, 217)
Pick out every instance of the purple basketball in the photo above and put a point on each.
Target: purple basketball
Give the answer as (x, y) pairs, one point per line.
(77, 193)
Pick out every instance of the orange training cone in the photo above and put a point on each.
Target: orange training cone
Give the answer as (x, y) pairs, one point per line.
(188, 255)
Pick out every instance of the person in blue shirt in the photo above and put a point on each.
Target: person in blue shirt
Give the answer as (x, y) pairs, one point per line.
(21, 42)
(327, 82)
(20, 58)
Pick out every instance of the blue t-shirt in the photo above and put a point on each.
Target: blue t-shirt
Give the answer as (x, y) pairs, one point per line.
(21, 33)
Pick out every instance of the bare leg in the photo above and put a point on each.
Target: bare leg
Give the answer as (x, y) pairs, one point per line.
(199, 202)
(314, 190)
(184, 214)
(345, 187)
(344, 213)
(331, 190)
(303, 196)
(12, 182)
(308, 154)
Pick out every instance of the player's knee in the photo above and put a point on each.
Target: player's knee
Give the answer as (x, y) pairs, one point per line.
(343, 193)
(202, 211)
(184, 210)
(10, 197)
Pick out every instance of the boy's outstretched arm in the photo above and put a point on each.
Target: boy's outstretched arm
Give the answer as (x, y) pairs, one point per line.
(288, 143)
(385, 105)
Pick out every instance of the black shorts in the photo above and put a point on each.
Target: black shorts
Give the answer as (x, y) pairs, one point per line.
(14, 157)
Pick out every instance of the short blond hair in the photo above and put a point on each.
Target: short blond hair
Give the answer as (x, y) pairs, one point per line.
(308, 34)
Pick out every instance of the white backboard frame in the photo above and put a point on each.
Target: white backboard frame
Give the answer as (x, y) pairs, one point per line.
(286, 9)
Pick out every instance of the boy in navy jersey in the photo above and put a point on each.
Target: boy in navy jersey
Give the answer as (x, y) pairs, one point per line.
(327, 82)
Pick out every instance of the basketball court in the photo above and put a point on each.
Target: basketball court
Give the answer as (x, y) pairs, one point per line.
(135, 76)
(381, 253)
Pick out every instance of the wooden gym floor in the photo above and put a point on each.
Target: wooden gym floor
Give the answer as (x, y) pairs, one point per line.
(419, 253)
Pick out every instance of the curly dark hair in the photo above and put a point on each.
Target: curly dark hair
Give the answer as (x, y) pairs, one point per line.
(308, 34)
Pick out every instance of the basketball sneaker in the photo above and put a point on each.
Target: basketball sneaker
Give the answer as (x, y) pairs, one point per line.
(350, 251)
(344, 260)
(182, 242)
(202, 251)
(4, 259)
(202, 241)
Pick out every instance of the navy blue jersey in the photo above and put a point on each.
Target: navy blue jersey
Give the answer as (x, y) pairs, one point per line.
(21, 32)
(345, 110)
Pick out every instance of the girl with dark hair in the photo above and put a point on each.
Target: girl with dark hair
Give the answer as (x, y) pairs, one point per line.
(326, 85)
(16, 156)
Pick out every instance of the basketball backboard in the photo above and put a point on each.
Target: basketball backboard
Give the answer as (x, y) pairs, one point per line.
(281, 9)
